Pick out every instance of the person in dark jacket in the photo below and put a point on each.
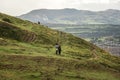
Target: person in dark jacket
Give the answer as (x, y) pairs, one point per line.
(59, 49)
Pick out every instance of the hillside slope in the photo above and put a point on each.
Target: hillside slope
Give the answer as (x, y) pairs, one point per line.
(27, 52)
(73, 16)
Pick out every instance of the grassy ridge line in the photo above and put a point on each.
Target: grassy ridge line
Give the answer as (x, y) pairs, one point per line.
(46, 35)
(10, 31)
(16, 21)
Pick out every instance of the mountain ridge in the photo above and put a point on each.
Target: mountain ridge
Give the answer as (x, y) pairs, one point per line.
(73, 16)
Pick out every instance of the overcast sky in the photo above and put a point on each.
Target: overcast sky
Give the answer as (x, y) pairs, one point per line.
(18, 7)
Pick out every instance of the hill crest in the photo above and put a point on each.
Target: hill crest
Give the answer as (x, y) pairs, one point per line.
(73, 16)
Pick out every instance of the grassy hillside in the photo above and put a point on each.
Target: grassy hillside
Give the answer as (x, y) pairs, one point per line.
(27, 52)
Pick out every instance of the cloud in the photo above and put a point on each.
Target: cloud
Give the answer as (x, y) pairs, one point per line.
(114, 1)
(95, 1)
(99, 7)
(16, 7)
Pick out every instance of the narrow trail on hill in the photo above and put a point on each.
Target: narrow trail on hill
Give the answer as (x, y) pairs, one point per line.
(95, 54)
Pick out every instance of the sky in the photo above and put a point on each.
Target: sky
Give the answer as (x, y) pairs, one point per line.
(19, 7)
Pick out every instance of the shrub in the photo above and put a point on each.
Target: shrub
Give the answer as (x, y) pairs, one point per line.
(6, 20)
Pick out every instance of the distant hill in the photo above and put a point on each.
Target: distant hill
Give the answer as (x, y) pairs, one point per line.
(73, 16)
(27, 52)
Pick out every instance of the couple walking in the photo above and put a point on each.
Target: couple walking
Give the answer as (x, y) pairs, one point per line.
(58, 49)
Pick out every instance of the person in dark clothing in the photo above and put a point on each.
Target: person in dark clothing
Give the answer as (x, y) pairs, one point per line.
(58, 48)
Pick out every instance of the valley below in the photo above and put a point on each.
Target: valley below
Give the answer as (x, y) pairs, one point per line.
(106, 36)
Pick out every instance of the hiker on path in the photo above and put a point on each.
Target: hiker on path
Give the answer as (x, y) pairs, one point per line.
(58, 48)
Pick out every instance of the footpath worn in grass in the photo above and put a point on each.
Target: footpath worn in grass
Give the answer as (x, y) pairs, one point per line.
(27, 52)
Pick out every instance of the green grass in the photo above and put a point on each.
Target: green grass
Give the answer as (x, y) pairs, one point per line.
(27, 59)
(57, 68)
